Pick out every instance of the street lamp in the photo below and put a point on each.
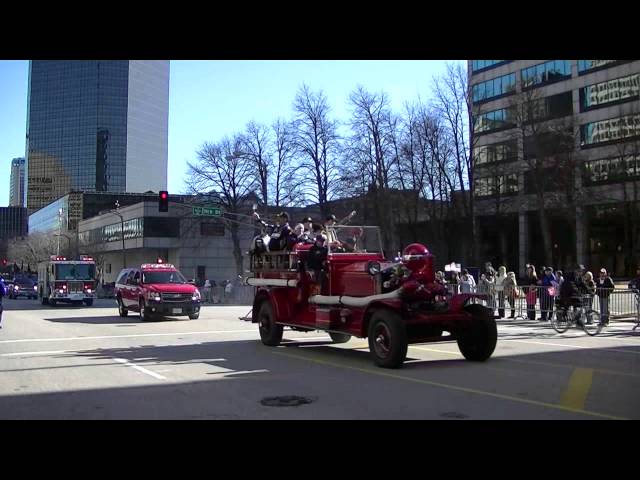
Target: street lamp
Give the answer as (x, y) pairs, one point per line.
(124, 253)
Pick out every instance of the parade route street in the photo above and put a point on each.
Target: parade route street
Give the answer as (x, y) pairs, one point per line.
(89, 363)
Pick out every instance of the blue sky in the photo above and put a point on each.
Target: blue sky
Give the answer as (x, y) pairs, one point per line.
(213, 98)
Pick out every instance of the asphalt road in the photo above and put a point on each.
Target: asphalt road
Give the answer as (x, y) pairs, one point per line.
(89, 363)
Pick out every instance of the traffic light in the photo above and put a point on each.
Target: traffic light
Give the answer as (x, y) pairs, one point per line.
(163, 201)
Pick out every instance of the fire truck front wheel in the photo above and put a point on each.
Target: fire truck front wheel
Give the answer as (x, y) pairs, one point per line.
(387, 339)
(270, 331)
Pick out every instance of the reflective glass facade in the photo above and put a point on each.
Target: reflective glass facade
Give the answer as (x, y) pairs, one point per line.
(612, 91)
(495, 87)
(547, 72)
(494, 120)
(613, 169)
(610, 130)
(13, 222)
(77, 128)
(477, 65)
(497, 152)
(16, 183)
(586, 65)
(498, 185)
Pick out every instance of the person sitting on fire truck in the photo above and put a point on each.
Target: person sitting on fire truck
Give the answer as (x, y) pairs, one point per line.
(316, 258)
(280, 231)
(329, 230)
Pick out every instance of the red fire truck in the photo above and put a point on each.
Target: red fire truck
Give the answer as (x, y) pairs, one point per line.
(68, 281)
(355, 292)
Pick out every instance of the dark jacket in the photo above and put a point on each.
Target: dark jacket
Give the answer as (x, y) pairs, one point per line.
(605, 288)
(634, 284)
(316, 257)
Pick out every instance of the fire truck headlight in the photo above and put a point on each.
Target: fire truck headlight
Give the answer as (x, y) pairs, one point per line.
(35, 287)
(88, 290)
(61, 290)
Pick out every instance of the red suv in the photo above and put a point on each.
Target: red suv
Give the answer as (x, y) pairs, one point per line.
(156, 289)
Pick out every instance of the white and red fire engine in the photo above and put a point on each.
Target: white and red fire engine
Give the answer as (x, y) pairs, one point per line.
(69, 281)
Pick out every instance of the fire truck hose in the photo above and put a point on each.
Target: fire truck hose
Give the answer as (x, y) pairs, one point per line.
(352, 301)
(270, 282)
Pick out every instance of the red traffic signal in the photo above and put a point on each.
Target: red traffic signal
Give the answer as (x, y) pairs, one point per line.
(163, 201)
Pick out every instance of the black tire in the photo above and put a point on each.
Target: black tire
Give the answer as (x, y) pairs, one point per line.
(478, 341)
(270, 331)
(592, 325)
(387, 339)
(123, 312)
(194, 316)
(144, 315)
(339, 337)
(89, 302)
(561, 320)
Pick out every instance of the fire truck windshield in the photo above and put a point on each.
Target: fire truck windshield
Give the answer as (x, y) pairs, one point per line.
(163, 277)
(70, 271)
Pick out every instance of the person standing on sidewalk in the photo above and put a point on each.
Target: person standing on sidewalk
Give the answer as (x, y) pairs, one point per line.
(511, 291)
(547, 293)
(207, 291)
(604, 286)
(467, 282)
(531, 280)
(3, 292)
(499, 286)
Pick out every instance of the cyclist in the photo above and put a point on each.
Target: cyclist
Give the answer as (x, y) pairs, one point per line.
(572, 290)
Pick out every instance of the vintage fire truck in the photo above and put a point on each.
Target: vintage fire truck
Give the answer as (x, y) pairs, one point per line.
(358, 293)
(67, 281)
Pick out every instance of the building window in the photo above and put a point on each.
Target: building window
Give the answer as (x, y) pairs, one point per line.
(613, 91)
(544, 73)
(496, 152)
(211, 229)
(610, 130)
(495, 120)
(550, 180)
(554, 106)
(480, 65)
(587, 65)
(496, 87)
(496, 186)
(613, 169)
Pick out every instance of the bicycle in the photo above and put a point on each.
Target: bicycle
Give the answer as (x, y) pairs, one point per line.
(588, 318)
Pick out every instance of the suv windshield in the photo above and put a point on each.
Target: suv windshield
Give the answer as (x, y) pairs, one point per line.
(71, 271)
(163, 277)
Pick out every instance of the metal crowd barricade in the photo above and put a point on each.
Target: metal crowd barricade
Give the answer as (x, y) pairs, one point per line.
(540, 302)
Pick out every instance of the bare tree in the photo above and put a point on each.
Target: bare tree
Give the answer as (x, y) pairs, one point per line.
(315, 139)
(286, 182)
(224, 169)
(255, 144)
(35, 248)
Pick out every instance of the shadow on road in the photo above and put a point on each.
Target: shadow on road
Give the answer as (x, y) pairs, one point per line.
(132, 319)
(25, 304)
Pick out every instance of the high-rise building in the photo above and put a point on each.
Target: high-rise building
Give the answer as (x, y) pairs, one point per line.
(557, 143)
(13, 222)
(96, 125)
(16, 183)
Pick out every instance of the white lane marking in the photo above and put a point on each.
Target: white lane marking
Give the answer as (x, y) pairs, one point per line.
(49, 352)
(238, 372)
(139, 368)
(569, 346)
(63, 339)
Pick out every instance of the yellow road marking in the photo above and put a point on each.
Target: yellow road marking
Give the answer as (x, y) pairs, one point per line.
(577, 391)
(385, 373)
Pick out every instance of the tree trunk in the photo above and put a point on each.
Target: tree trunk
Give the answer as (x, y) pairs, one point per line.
(545, 230)
(237, 251)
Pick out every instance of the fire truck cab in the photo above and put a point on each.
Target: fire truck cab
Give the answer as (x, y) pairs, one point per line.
(68, 281)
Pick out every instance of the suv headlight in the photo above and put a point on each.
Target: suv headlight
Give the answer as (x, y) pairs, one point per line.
(154, 297)
(196, 295)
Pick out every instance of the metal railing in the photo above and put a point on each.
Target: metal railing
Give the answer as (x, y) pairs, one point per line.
(239, 295)
(539, 302)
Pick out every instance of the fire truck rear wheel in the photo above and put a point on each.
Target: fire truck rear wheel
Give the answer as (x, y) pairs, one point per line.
(270, 331)
(478, 341)
(388, 339)
(339, 337)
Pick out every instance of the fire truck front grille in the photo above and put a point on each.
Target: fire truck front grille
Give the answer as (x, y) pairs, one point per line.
(176, 297)
(76, 287)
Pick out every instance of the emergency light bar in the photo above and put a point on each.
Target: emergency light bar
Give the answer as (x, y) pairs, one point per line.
(163, 266)
(58, 258)
(86, 258)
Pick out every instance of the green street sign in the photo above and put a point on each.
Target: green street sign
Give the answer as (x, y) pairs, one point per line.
(207, 212)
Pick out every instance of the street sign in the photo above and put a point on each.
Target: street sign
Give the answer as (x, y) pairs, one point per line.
(207, 212)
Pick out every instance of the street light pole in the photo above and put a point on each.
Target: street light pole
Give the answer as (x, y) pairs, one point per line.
(59, 229)
(124, 253)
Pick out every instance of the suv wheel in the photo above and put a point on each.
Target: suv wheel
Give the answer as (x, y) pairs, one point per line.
(123, 312)
(144, 315)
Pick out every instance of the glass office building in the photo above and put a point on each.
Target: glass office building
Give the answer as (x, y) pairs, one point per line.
(95, 125)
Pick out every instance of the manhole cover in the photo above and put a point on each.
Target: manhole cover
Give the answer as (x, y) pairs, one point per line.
(285, 401)
(453, 415)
